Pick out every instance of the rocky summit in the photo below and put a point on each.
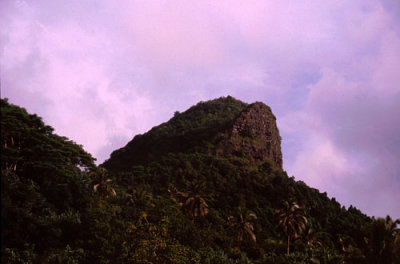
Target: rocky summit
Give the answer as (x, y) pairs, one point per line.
(255, 134)
(223, 127)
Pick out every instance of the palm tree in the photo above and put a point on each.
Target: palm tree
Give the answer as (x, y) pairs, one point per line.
(102, 181)
(177, 196)
(195, 206)
(244, 224)
(12, 148)
(292, 220)
(383, 240)
(396, 247)
(139, 197)
(311, 238)
(392, 239)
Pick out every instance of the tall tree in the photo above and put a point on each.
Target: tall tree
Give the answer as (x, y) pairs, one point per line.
(292, 220)
(195, 206)
(102, 183)
(44, 184)
(243, 223)
(383, 241)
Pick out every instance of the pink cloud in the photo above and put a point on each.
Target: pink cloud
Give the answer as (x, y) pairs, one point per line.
(355, 109)
(102, 72)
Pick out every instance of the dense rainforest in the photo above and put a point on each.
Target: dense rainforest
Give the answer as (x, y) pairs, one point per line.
(208, 186)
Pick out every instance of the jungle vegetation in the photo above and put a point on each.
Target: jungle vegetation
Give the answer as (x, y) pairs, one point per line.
(171, 200)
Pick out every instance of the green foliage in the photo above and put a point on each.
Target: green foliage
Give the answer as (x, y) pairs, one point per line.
(197, 129)
(44, 187)
(168, 197)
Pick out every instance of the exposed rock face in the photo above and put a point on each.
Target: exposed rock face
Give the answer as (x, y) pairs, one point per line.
(255, 134)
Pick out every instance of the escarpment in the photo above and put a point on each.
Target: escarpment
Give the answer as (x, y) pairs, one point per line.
(255, 134)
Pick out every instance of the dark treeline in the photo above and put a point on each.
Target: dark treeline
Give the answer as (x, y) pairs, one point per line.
(168, 198)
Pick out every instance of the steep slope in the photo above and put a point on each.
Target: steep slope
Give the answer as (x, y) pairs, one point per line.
(254, 134)
(205, 187)
(220, 127)
(224, 156)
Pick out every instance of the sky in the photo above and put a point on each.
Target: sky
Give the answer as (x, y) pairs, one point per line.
(101, 71)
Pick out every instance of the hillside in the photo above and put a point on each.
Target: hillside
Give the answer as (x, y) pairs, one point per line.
(222, 127)
(205, 187)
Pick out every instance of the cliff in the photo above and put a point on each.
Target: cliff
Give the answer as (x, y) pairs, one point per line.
(255, 134)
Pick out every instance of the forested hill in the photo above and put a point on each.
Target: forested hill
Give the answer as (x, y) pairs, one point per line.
(223, 127)
(208, 186)
(194, 130)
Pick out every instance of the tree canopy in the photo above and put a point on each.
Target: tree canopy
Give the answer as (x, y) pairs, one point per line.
(187, 205)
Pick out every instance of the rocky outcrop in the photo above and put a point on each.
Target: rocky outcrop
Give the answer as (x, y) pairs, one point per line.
(224, 127)
(254, 134)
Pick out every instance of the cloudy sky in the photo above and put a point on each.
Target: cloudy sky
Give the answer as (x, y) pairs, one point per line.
(102, 71)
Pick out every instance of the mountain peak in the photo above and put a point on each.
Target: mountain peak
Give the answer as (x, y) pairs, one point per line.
(222, 127)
